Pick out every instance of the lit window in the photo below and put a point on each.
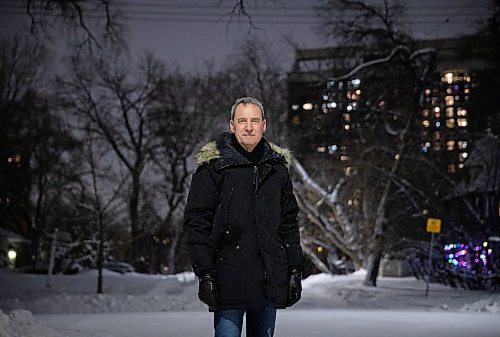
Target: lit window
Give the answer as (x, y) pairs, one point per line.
(462, 144)
(344, 158)
(296, 120)
(428, 144)
(437, 109)
(425, 112)
(462, 122)
(358, 92)
(448, 91)
(448, 77)
(325, 97)
(461, 112)
(450, 145)
(451, 168)
(457, 98)
(332, 149)
(450, 123)
(464, 154)
(461, 165)
(347, 117)
(356, 82)
(435, 101)
(426, 123)
(307, 106)
(347, 127)
(449, 111)
(348, 95)
(295, 107)
(348, 171)
(349, 107)
(427, 92)
(437, 135)
(449, 100)
(466, 91)
(321, 149)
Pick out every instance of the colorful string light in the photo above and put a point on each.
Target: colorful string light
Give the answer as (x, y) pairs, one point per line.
(469, 257)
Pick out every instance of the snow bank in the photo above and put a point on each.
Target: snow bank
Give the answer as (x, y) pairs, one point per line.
(487, 305)
(21, 323)
(133, 292)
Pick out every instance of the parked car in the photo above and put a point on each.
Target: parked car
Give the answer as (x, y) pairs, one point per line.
(119, 266)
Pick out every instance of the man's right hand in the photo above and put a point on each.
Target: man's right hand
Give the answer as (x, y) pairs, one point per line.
(207, 291)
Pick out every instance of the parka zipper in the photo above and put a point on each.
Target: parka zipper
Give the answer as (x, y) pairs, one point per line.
(227, 203)
(255, 177)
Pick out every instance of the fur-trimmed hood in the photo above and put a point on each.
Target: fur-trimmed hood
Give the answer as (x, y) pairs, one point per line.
(222, 148)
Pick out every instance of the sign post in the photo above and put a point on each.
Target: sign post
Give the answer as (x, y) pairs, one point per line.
(433, 226)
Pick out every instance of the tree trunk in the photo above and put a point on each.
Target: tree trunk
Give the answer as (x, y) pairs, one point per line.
(134, 216)
(373, 263)
(100, 253)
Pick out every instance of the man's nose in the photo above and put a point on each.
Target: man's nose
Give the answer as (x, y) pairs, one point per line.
(248, 127)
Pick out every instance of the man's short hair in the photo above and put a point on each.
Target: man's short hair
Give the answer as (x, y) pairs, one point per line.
(247, 100)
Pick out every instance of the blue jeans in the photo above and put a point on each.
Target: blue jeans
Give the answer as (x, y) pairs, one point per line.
(260, 322)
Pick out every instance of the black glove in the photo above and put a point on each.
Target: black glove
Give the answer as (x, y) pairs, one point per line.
(207, 291)
(294, 287)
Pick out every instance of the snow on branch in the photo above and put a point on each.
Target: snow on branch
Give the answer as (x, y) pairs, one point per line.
(372, 63)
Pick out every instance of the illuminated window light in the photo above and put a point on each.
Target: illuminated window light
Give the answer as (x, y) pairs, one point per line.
(462, 144)
(307, 106)
(462, 122)
(449, 100)
(426, 123)
(450, 145)
(295, 107)
(450, 123)
(321, 149)
(449, 112)
(425, 112)
(348, 171)
(461, 112)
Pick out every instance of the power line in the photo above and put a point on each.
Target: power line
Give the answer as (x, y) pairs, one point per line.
(264, 15)
(167, 18)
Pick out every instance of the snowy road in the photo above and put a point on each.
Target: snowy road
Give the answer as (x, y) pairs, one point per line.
(291, 323)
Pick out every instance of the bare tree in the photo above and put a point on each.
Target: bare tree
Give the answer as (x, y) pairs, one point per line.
(183, 120)
(113, 100)
(90, 23)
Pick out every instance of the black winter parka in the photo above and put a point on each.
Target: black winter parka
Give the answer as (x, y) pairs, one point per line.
(241, 224)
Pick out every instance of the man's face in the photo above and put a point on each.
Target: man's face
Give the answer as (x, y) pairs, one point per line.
(248, 125)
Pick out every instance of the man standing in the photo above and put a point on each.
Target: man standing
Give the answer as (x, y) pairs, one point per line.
(241, 222)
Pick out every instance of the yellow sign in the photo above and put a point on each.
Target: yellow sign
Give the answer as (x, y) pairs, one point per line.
(433, 225)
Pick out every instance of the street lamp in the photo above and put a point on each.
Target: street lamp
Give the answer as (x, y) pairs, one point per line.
(12, 256)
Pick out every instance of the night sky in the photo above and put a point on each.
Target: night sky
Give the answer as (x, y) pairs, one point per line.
(186, 33)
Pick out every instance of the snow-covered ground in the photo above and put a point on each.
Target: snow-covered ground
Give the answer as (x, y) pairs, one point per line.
(154, 305)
